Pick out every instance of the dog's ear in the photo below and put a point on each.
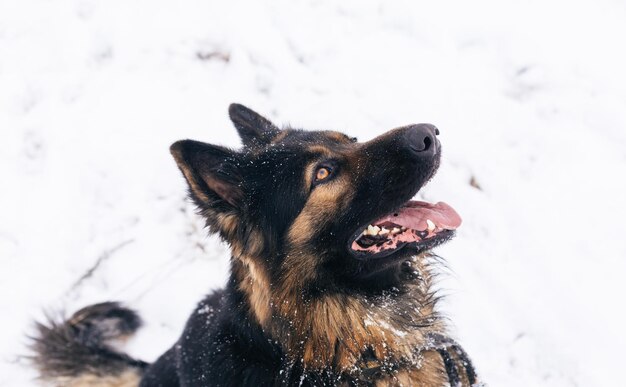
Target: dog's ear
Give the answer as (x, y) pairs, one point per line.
(211, 172)
(254, 129)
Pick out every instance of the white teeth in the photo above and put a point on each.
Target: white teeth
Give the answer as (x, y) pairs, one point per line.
(395, 230)
(431, 225)
(383, 231)
(372, 230)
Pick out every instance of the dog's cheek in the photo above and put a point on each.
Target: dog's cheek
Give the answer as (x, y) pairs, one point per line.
(325, 205)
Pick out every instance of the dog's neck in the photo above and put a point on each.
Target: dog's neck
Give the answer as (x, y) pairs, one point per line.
(345, 332)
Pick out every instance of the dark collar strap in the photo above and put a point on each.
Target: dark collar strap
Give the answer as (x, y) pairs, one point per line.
(453, 356)
(456, 361)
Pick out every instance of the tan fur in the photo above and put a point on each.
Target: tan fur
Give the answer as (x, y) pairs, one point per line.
(323, 204)
(125, 379)
(251, 274)
(319, 149)
(228, 224)
(430, 373)
(253, 281)
(338, 137)
(193, 185)
(338, 329)
(281, 136)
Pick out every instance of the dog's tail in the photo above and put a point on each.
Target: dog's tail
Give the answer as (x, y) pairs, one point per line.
(80, 351)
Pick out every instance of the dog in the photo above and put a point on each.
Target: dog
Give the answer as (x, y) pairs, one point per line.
(331, 271)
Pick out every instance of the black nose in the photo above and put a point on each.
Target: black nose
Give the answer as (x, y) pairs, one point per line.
(421, 139)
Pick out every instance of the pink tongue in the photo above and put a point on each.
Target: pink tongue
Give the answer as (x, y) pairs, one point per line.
(414, 215)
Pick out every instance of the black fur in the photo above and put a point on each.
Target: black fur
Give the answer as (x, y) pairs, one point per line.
(81, 344)
(252, 198)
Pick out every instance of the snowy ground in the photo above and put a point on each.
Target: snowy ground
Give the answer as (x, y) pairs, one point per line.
(530, 98)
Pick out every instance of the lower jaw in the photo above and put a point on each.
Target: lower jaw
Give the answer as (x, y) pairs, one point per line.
(404, 249)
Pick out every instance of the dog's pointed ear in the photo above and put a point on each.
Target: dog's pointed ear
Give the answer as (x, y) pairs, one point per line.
(212, 173)
(254, 129)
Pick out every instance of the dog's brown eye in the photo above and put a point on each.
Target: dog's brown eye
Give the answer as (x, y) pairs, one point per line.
(322, 174)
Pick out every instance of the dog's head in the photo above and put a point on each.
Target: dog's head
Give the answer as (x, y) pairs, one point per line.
(318, 210)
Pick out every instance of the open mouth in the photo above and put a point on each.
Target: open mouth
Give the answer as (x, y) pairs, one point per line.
(416, 224)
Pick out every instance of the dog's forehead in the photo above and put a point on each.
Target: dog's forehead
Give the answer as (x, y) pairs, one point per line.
(306, 138)
(294, 148)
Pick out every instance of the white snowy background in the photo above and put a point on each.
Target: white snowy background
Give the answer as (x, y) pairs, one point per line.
(530, 98)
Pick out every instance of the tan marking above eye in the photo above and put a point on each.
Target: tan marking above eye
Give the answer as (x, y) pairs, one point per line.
(322, 173)
(338, 137)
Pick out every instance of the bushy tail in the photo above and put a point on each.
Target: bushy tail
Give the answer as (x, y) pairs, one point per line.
(79, 351)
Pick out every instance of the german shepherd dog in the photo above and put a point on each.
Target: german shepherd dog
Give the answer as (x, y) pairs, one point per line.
(330, 282)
